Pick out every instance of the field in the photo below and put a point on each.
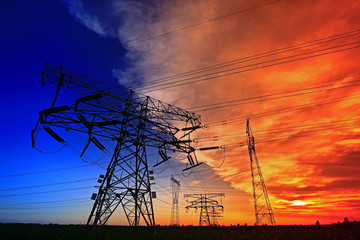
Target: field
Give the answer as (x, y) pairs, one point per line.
(72, 232)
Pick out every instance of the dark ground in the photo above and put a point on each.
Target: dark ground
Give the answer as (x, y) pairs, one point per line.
(78, 232)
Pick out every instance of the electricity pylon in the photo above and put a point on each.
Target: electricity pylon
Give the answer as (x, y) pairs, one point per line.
(263, 211)
(210, 209)
(134, 123)
(175, 185)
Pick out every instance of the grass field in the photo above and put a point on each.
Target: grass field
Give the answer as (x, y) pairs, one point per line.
(72, 232)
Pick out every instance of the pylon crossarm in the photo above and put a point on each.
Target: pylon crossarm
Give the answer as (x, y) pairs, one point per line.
(69, 120)
(86, 86)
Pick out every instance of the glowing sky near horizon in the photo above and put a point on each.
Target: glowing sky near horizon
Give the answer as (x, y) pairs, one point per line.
(309, 157)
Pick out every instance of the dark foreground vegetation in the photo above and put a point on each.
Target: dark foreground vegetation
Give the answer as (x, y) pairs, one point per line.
(72, 232)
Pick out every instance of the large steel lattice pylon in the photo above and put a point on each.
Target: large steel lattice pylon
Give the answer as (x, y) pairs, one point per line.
(128, 171)
(175, 187)
(210, 209)
(134, 122)
(263, 211)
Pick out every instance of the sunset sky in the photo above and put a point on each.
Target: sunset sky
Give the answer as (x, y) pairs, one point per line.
(290, 66)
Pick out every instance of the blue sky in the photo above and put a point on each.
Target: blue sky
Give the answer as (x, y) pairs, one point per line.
(35, 32)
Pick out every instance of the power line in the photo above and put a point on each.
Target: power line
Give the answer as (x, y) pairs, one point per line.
(283, 110)
(54, 170)
(283, 137)
(46, 171)
(57, 205)
(204, 22)
(276, 130)
(202, 181)
(43, 192)
(134, 42)
(49, 184)
(230, 192)
(193, 171)
(300, 127)
(44, 212)
(42, 202)
(309, 133)
(183, 181)
(250, 58)
(163, 201)
(263, 98)
(168, 191)
(251, 68)
(163, 84)
(180, 176)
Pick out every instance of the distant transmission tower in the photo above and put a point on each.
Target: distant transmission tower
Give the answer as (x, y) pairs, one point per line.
(210, 209)
(175, 185)
(263, 210)
(134, 123)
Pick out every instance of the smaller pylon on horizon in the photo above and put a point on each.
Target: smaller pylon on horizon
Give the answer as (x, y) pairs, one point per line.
(210, 209)
(263, 211)
(175, 185)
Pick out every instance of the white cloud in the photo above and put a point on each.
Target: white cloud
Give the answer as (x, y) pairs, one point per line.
(91, 21)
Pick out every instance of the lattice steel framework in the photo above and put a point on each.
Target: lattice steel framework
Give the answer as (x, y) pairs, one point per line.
(263, 211)
(175, 186)
(210, 209)
(134, 122)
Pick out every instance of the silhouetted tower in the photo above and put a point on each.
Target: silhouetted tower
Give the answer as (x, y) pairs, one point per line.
(134, 123)
(210, 209)
(175, 186)
(263, 210)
